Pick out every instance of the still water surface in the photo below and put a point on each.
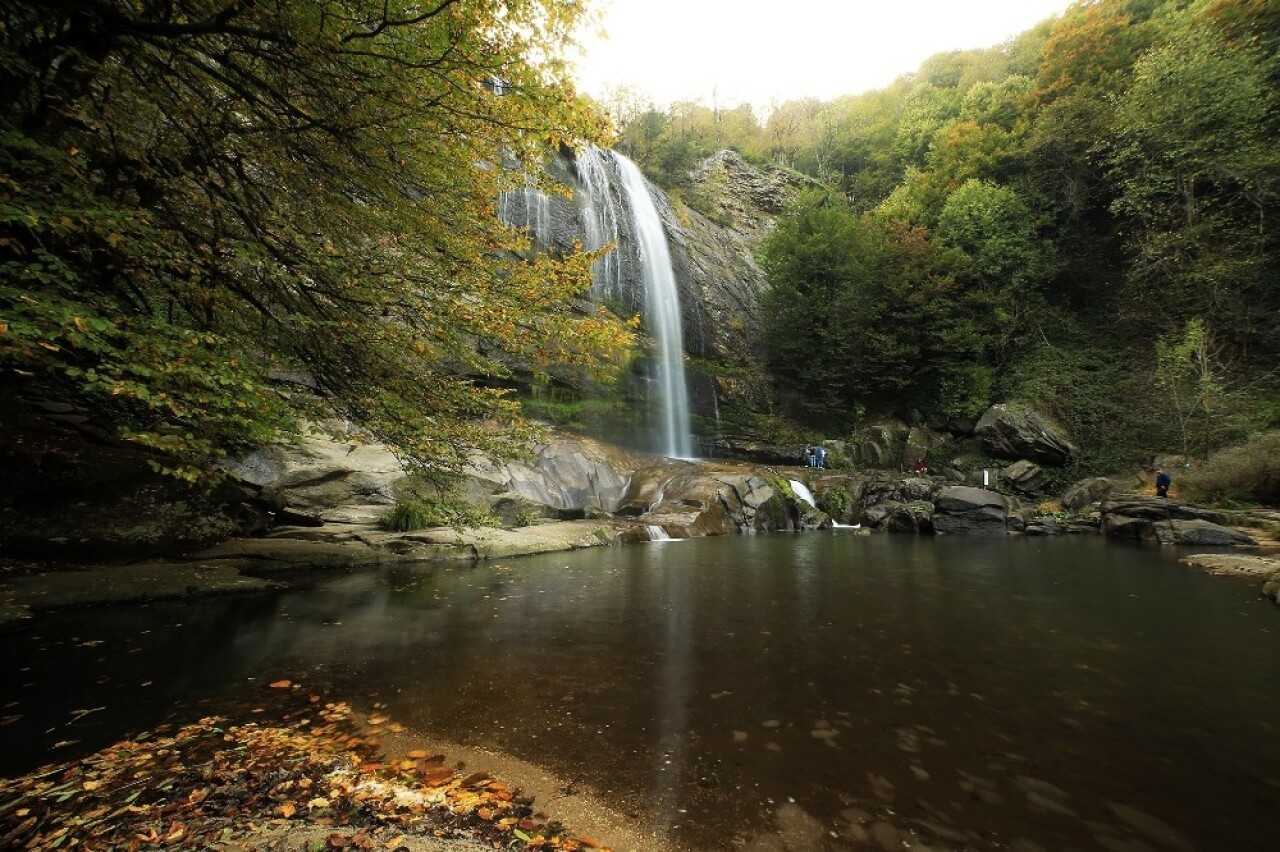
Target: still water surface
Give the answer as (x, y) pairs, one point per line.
(845, 690)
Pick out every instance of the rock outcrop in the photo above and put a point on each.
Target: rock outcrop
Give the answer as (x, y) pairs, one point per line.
(1016, 431)
(962, 509)
(1147, 518)
(1025, 477)
(1086, 492)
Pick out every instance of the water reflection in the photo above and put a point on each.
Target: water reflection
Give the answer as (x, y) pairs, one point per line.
(817, 690)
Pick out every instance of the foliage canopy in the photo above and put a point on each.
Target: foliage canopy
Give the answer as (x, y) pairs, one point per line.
(1048, 219)
(217, 217)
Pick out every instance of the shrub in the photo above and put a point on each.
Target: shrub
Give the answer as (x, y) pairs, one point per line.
(415, 513)
(834, 501)
(408, 515)
(1246, 473)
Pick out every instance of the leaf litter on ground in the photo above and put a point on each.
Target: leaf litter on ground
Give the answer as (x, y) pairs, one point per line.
(215, 783)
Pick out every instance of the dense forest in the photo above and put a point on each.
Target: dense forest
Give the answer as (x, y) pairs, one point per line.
(1082, 218)
(219, 220)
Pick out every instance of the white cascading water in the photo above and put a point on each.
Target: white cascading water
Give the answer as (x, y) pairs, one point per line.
(535, 207)
(599, 221)
(662, 311)
(656, 533)
(802, 491)
(607, 202)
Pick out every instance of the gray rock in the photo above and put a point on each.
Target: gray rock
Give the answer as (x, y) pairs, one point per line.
(566, 475)
(1015, 431)
(963, 498)
(1158, 509)
(879, 446)
(1087, 492)
(961, 509)
(1200, 533)
(320, 473)
(1138, 516)
(919, 439)
(908, 518)
(1043, 525)
(1025, 476)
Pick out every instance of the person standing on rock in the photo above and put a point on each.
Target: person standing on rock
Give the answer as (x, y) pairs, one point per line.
(1163, 481)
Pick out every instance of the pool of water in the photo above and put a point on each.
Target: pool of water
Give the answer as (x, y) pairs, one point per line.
(839, 691)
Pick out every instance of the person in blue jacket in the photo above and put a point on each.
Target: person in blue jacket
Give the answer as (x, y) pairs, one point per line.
(1162, 483)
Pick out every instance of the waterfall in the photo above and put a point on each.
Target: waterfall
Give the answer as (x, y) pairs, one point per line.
(662, 311)
(802, 492)
(616, 208)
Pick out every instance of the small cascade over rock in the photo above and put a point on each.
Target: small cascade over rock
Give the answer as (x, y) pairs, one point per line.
(530, 208)
(656, 533)
(600, 221)
(802, 492)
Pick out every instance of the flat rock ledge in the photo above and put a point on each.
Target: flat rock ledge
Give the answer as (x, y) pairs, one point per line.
(243, 565)
(21, 597)
(1239, 565)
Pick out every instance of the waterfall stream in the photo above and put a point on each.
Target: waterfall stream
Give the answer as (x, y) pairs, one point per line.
(662, 312)
(615, 207)
(618, 197)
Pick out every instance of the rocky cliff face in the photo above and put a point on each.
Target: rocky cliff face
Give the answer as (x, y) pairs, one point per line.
(712, 251)
(716, 257)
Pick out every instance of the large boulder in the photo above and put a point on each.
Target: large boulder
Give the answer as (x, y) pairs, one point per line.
(900, 517)
(879, 446)
(1025, 476)
(961, 509)
(567, 475)
(911, 489)
(1086, 492)
(1152, 508)
(332, 479)
(693, 500)
(1200, 533)
(916, 448)
(691, 505)
(1015, 431)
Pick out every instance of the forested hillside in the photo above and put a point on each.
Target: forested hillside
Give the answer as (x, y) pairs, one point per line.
(1082, 218)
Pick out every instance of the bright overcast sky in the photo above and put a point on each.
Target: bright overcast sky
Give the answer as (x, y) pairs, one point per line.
(756, 51)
